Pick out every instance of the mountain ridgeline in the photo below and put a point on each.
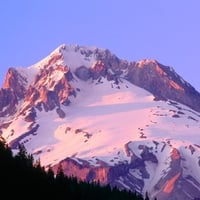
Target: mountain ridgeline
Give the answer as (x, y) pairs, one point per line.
(131, 124)
(162, 81)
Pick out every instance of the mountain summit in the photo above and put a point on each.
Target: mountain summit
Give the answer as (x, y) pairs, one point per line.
(133, 125)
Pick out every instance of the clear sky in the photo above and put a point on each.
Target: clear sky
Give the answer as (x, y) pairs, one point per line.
(165, 30)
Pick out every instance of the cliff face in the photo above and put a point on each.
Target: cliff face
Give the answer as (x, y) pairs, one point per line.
(48, 91)
(163, 82)
(12, 92)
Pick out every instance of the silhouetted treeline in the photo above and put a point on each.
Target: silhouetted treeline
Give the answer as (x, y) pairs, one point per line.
(24, 179)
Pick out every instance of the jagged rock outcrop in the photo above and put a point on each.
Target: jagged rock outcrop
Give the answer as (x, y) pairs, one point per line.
(45, 90)
(48, 90)
(8, 101)
(31, 115)
(16, 82)
(12, 92)
(163, 82)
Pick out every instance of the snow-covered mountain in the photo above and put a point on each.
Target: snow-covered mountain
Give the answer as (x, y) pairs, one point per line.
(134, 125)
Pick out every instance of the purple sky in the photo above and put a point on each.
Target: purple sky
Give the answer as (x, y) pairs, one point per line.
(168, 31)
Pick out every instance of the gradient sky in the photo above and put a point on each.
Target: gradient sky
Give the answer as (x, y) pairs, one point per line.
(165, 30)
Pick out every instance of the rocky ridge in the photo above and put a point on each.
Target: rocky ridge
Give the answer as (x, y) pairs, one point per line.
(162, 81)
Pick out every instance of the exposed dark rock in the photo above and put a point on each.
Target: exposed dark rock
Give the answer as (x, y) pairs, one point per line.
(15, 143)
(69, 76)
(83, 73)
(31, 115)
(8, 102)
(176, 116)
(148, 156)
(192, 149)
(60, 112)
(32, 94)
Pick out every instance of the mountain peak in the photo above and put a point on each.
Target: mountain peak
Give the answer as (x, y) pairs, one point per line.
(102, 118)
(85, 63)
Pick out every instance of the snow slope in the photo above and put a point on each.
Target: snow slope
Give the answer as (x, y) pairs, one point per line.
(102, 119)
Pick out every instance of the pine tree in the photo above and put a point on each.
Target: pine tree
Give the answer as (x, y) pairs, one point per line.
(146, 196)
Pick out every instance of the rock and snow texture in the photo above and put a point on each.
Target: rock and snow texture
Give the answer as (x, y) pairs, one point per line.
(134, 125)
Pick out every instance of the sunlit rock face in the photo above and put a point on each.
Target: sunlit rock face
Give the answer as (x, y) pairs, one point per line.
(12, 92)
(132, 175)
(163, 82)
(133, 125)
